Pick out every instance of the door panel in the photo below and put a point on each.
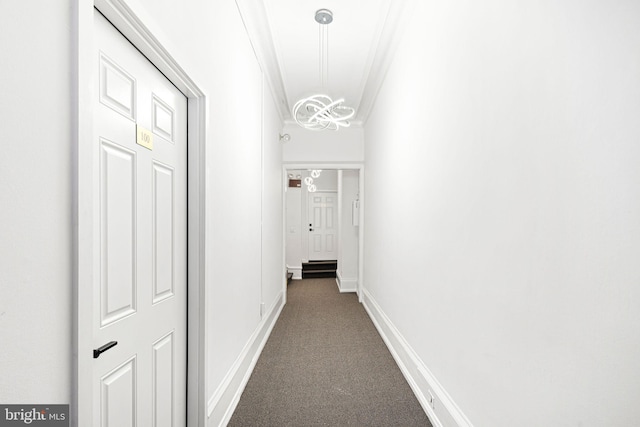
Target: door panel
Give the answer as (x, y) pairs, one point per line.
(163, 119)
(329, 243)
(117, 88)
(322, 230)
(163, 232)
(163, 370)
(118, 231)
(118, 397)
(329, 213)
(141, 292)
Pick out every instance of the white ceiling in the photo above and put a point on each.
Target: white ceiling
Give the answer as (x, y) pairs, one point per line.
(361, 37)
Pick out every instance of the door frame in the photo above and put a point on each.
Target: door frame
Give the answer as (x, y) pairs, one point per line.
(85, 221)
(337, 166)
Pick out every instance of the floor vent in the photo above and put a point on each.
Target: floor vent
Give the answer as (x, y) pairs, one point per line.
(323, 268)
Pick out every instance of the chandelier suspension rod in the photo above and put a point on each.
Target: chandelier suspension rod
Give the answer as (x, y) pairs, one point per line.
(319, 112)
(323, 60)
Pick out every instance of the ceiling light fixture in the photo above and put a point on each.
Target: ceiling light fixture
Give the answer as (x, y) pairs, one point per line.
(319, 111)
(311, 187)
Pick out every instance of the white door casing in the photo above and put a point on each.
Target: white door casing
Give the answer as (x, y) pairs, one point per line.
(140, 293)
(323, 226)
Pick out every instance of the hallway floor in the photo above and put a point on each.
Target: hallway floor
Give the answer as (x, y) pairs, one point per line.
(326, 365)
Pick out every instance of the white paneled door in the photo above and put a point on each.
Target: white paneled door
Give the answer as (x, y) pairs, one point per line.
(140, 296)
(323, 227)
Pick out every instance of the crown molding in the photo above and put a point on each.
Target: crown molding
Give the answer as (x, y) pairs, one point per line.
(254, 16)
(392, 30)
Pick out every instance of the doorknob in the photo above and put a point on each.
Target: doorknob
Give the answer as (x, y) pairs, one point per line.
(98, 351)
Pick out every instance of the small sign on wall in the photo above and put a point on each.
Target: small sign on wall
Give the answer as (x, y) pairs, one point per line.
(144, 137)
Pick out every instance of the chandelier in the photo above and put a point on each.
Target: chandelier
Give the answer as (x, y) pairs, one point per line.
(311, 187)
(319, 111)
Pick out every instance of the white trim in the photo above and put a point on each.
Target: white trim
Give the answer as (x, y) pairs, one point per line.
(346, 284)
(83, 254)
(134, 29)
(445, 412)
(254, 16)
(126, 21)
(360, 286)
(285, 186)
(396, 20)
(197, 303)
(224, 400)
(296, 270)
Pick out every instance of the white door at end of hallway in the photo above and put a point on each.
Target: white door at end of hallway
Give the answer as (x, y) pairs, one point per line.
(322, 226)
(140, 291)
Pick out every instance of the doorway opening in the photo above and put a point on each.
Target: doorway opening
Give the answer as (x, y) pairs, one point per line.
(323, 233)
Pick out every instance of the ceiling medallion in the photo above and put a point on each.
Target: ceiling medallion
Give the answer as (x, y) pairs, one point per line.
(319, 111)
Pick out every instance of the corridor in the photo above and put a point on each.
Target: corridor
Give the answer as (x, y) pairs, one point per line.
(490, 223)
(325, 364)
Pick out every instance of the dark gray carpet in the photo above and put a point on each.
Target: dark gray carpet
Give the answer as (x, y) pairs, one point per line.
(326, 365)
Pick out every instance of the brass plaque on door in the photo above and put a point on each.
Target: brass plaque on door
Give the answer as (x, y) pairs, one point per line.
(144, 137)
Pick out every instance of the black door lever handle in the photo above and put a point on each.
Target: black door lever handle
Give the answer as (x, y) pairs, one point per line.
(97, 352)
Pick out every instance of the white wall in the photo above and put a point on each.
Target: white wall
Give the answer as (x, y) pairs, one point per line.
(502, 236)
(35, 195)
(234, 202)
(306, 146)
(347, 272)
(243, 234)
(294, 231)
(273, 263)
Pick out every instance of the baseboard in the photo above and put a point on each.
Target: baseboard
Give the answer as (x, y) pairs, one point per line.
(224, 400)
(441, 410)
(346, 284)
(296, 270)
